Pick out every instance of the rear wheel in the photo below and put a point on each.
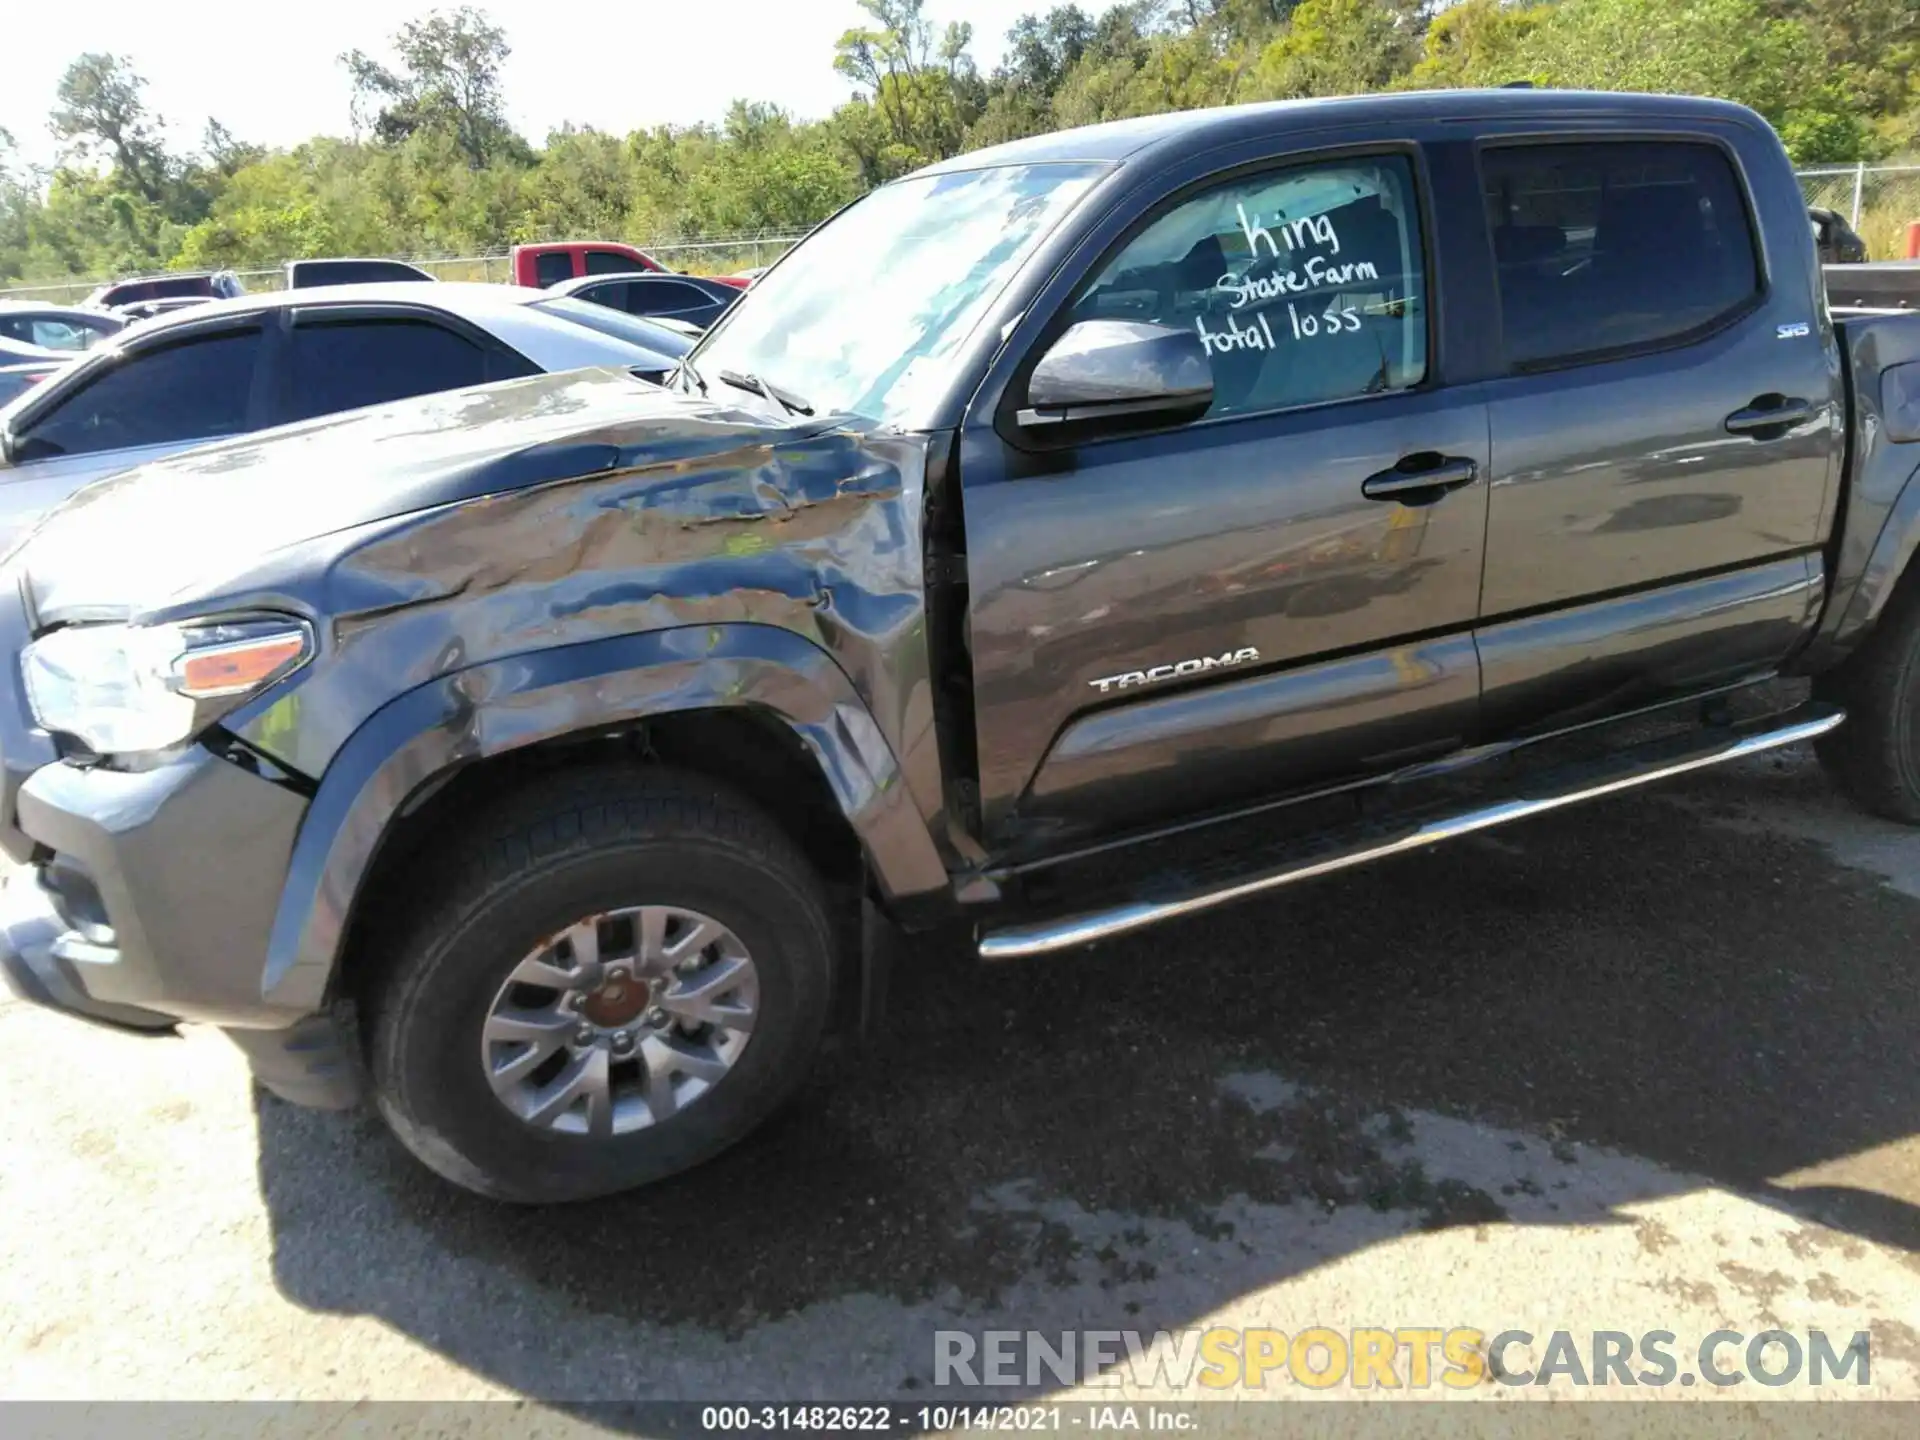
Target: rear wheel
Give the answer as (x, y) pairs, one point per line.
(1875, 756)
(618, 975)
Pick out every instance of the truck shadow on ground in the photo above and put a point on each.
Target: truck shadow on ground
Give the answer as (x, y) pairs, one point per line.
(1135, 1137)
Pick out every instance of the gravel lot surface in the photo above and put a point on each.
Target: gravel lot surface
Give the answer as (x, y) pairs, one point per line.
(1644, 1065)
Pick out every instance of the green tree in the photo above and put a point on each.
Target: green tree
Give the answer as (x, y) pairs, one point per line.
(225, 154)
(100, 110)
(923, 89)
(1040, 51)
(1127, 72)
(1871, 47)
(440, 171)
(1477, 43)
(18, 204)
(1341, 47)
(1729, 48)
(584, 183)
(270, 210)
(448, 80)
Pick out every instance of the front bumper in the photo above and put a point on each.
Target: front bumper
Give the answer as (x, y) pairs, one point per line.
(29, 931)
(147, 897)
(312, 1062)
(165, 882)
(155, 894)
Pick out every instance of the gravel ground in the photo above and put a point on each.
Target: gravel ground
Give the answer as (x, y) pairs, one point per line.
(1643, 1065)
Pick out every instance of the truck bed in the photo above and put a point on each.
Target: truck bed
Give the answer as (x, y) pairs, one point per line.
(1882, 285)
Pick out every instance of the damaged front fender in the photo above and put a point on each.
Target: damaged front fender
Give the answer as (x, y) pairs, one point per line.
(507, 704)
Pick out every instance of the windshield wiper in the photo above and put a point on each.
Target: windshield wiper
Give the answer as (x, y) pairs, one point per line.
(687, 374)
(786, 399)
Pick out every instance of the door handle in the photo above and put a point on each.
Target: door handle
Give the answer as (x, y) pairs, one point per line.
(1769, 412)
(1424, 485)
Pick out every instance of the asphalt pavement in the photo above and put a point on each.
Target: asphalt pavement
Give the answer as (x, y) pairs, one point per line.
(1643, 1065)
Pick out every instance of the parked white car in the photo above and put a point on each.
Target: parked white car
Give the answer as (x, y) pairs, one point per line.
(61, 329)
(231, 367)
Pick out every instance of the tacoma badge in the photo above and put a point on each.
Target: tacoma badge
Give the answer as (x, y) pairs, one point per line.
(1169, 672)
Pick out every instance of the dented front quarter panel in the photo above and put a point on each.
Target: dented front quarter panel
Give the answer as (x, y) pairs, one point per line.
(688, 557)
(817, 533)
(492, 708)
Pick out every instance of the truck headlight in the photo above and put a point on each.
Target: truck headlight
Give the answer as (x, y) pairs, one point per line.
(122, 689)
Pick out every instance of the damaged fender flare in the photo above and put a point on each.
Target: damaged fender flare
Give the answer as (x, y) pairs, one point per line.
(1874, 543)
(521, 700)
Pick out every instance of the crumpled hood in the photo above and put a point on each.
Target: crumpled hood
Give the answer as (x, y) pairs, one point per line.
(129, 542)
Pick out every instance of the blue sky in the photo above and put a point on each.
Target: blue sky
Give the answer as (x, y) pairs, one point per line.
(616, 67)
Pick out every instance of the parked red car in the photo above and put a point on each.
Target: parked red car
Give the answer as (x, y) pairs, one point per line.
(556, 260)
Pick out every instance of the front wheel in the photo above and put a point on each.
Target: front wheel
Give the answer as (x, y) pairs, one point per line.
(621, 974)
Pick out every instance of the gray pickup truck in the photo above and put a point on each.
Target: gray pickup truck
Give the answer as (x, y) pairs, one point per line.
(1063, 540)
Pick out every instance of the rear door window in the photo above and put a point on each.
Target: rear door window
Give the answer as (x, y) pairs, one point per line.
(552, 267)
(192, 391)
(336, 365)
(609, 262)
(1607, 247)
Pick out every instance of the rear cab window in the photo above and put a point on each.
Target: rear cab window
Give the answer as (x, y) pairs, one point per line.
(1305, 284)
(1605, 247)
(609, 262)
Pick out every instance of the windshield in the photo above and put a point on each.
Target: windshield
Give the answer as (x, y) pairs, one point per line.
(867, 315)
(617, 323)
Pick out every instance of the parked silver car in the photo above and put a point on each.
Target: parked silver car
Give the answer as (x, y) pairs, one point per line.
(692, 299)
(230, 367)
(63, 328)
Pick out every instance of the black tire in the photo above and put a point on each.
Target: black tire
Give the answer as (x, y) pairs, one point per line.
(1875, 755)
(575, 844)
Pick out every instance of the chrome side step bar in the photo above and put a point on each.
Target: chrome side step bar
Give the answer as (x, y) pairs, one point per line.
(1622, 772)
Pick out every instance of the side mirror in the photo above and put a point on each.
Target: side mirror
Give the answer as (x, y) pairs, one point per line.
(1102, 368)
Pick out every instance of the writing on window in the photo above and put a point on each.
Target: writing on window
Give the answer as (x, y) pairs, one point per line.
(1303, 285)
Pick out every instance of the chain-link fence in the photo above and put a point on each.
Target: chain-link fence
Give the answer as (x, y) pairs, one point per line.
(720, 255)
(1881, 203)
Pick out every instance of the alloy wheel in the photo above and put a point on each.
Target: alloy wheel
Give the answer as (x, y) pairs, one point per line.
(620, 1021)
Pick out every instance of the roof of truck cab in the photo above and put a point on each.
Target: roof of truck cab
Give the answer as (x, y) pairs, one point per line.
(1119, 140)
